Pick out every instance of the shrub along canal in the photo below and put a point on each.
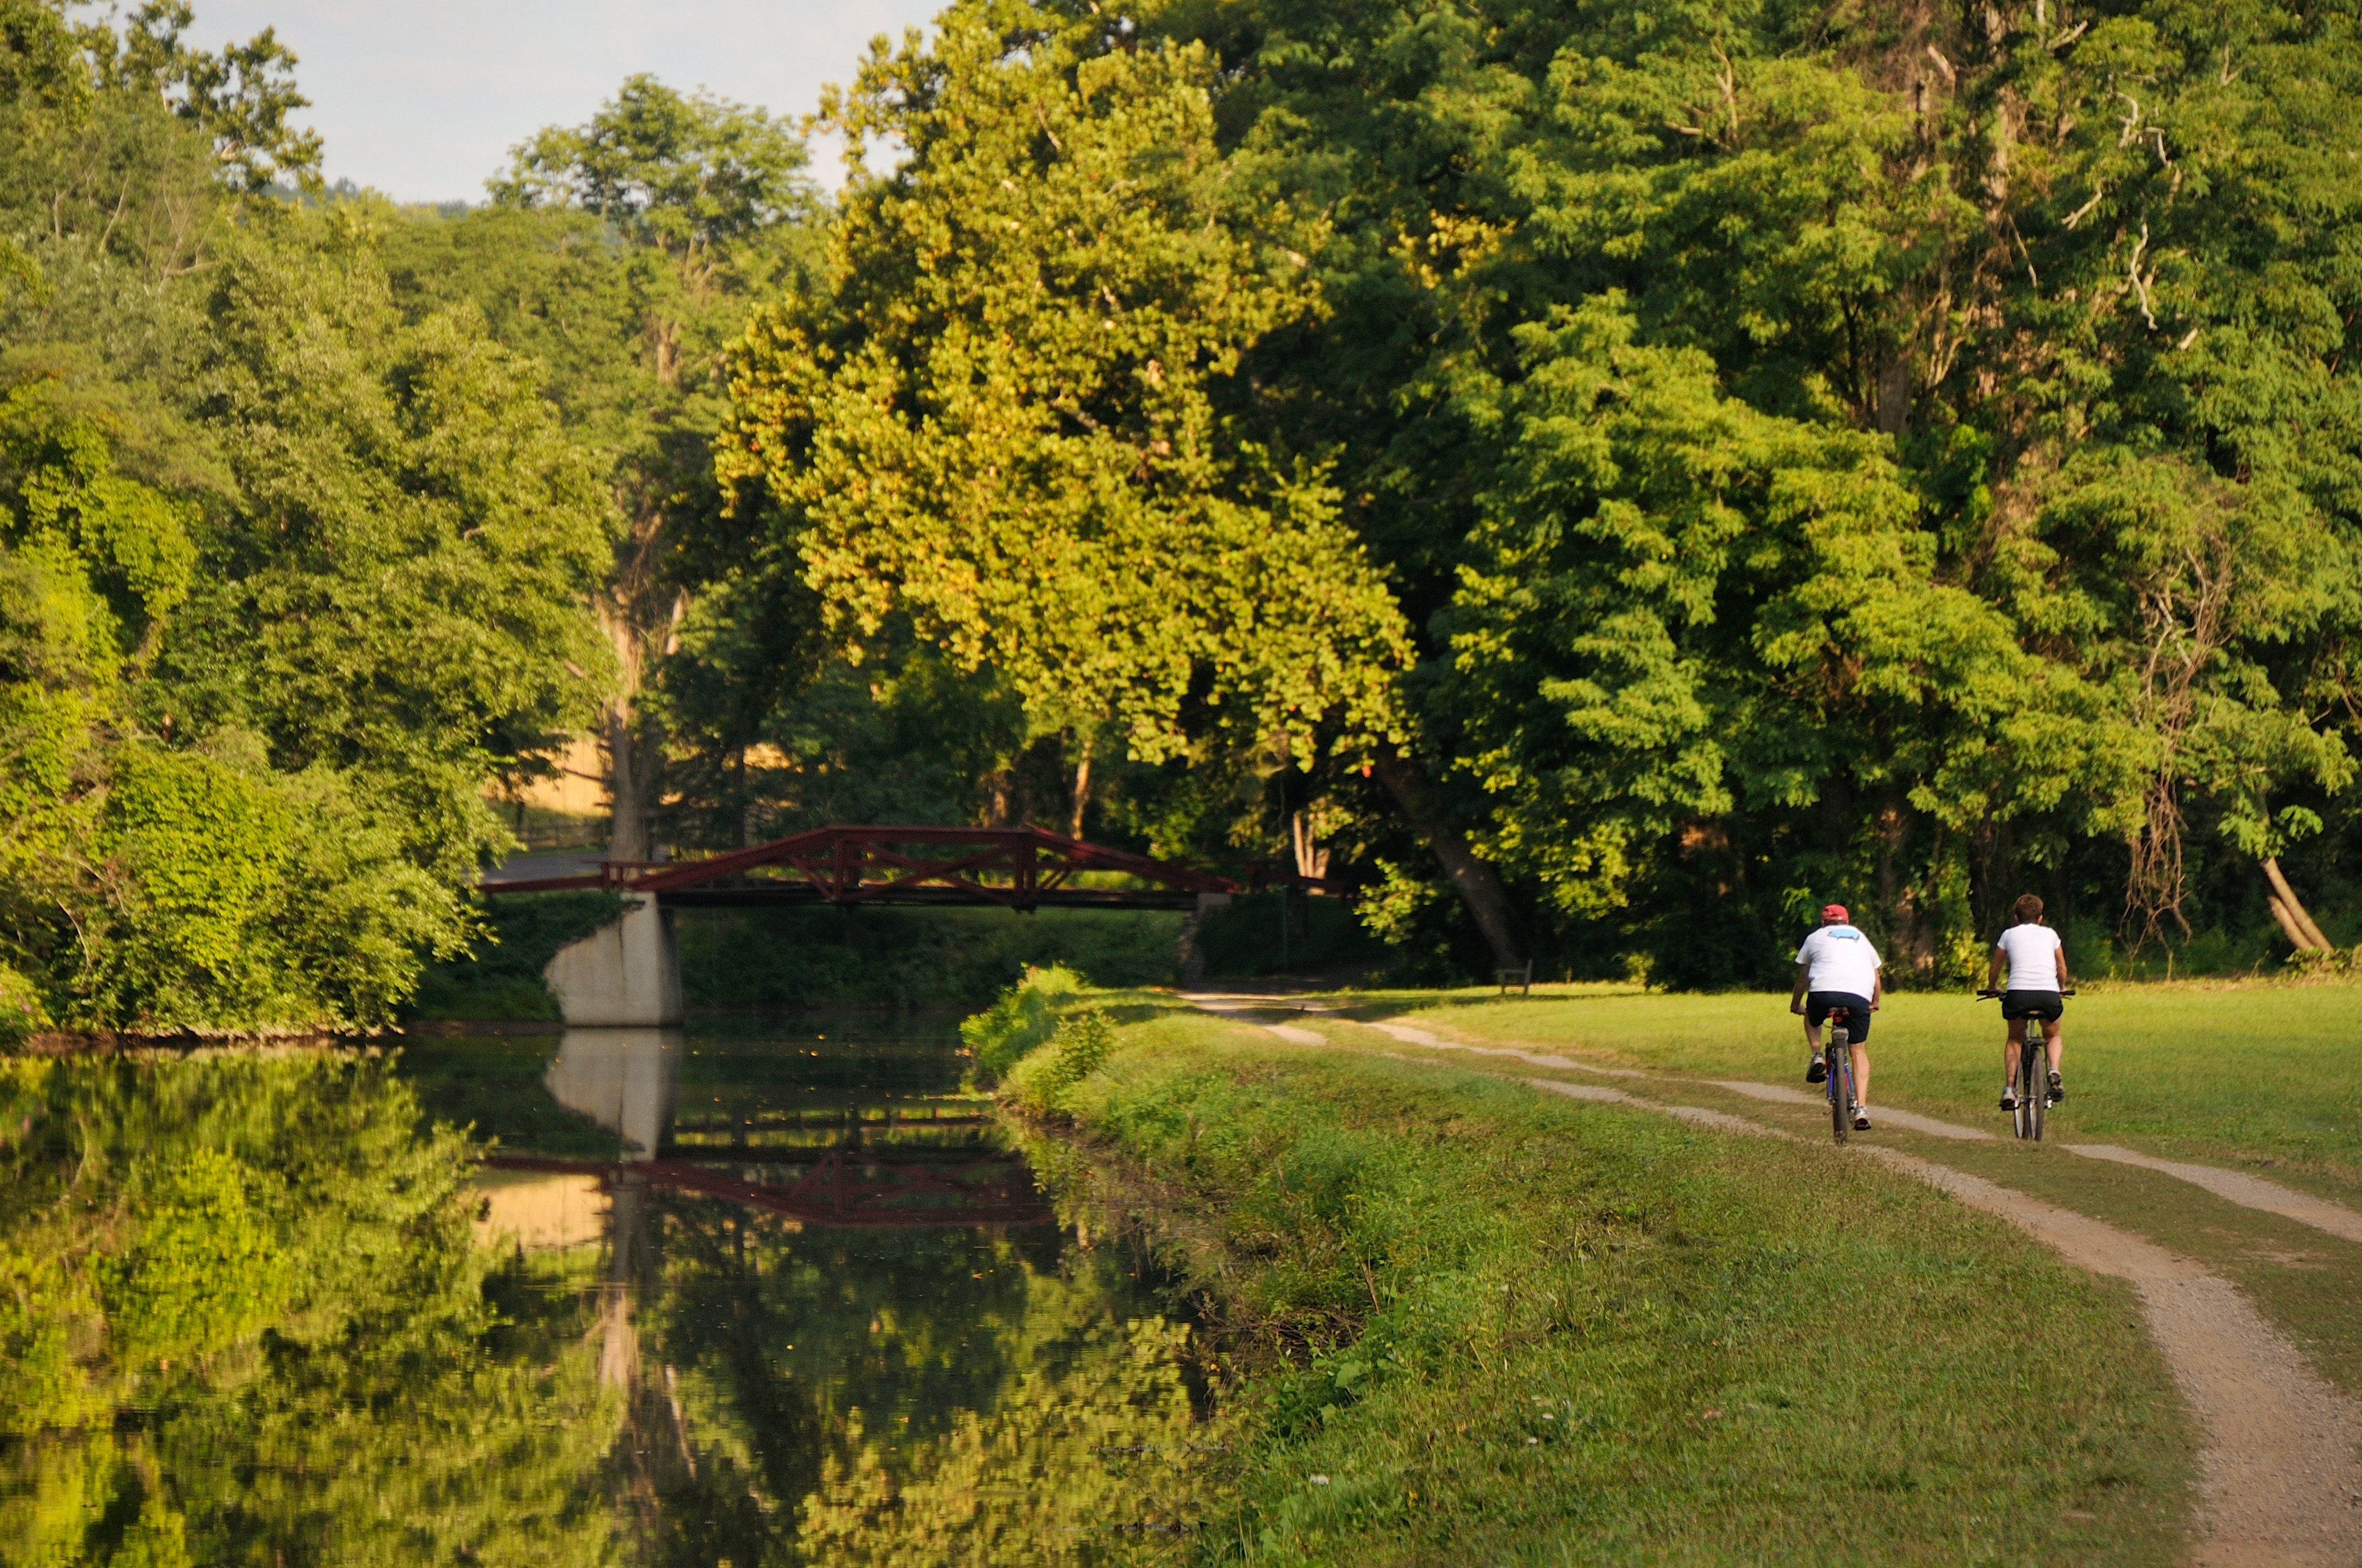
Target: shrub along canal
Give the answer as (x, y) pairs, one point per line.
(764, 1296)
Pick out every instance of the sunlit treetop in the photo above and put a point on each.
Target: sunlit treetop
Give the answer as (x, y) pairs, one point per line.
(677, 170)
(1000, 417)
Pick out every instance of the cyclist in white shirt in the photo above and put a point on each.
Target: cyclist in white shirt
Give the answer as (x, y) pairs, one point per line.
(2036, 961)
(1837, 973)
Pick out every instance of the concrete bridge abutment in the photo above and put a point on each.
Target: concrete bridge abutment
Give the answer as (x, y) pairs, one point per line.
(626, 975)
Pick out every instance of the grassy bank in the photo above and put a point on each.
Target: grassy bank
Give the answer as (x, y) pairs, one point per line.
(2261, 1074)
(1466, 1320)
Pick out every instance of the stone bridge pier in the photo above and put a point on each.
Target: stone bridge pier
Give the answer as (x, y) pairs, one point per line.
(626, 975)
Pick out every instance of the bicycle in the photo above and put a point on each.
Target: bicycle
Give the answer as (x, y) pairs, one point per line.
(2032, 1082)
(1841, 1060)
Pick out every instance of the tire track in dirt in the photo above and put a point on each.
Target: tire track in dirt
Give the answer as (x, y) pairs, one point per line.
(2280, 1482)
(2251, 1192)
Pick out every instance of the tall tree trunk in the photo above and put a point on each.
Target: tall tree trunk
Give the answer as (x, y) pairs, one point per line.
(1478, 885)
(1082, 786)
(740, 808)
(1311, 859)
(634, 742)
(2287, 922)
(2289, 910)
(627, 837)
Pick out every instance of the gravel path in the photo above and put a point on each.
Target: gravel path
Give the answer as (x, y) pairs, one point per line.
(2281, 1482)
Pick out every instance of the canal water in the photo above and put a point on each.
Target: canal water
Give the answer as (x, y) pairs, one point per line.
(777, 1296)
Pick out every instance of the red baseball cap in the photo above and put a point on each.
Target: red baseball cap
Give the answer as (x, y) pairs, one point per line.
(1833, 912)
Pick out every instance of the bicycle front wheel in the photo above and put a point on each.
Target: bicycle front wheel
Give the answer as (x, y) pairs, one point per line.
(2037, 1061)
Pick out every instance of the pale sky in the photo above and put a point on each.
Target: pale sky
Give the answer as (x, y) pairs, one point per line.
(422, 98)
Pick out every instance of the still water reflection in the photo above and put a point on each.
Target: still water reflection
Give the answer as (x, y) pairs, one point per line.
(735, 1300)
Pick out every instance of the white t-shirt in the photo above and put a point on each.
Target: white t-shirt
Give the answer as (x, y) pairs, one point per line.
(1839, 958)
(2028, 948)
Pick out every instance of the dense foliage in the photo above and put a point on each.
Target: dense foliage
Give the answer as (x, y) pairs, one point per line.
(287, 576)
(1604, 481)
(623, 254)
(1903, 457)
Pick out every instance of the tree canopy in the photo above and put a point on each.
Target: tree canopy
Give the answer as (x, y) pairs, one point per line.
(286, 579)
(1895, 457)
(997, 418)
(1604, 481)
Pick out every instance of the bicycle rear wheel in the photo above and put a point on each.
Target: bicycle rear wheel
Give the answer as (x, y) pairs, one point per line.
(1840, 1083)
(2028, 1096)
(2038, 1063)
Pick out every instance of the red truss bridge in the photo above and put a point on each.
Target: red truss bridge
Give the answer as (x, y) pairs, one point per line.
(1019, 869)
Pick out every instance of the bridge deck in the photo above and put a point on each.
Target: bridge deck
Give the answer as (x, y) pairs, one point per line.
(1028, 867)
(763, 895)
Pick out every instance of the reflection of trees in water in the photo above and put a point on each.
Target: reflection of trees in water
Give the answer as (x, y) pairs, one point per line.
(243, 1317)
(918, 1395)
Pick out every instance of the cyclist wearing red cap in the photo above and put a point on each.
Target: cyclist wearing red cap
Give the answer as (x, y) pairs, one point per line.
(1837, 973)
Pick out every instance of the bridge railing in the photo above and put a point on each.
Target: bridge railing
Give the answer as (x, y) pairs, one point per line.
(1023, 867)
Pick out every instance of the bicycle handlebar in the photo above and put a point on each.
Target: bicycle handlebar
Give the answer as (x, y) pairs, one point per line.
(1996, 996)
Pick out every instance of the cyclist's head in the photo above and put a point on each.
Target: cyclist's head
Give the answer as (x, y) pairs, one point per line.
(2029, 910)
(1833, 914)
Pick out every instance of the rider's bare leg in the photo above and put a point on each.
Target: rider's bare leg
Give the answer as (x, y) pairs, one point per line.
(2058, 1046)
(1861, 1073)
(1812, 1036)
(2010, 1049)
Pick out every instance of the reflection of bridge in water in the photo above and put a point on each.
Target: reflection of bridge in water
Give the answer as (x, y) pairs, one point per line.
(628, 1081)
(861, 1187)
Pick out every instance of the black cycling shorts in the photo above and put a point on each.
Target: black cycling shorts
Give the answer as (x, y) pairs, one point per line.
(2044, 1005)
(1852, 1012)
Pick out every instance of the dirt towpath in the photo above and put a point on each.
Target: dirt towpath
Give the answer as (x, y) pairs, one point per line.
(2280, 1468)
(2236, 1187)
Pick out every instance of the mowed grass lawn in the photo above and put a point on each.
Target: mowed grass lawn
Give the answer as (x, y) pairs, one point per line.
(2261, 1076)
(1473, 1323)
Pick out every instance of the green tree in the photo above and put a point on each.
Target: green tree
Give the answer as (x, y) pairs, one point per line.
(997, 416)
(285, 579)
(400, 588)
(696, 207)
(1955, 501)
